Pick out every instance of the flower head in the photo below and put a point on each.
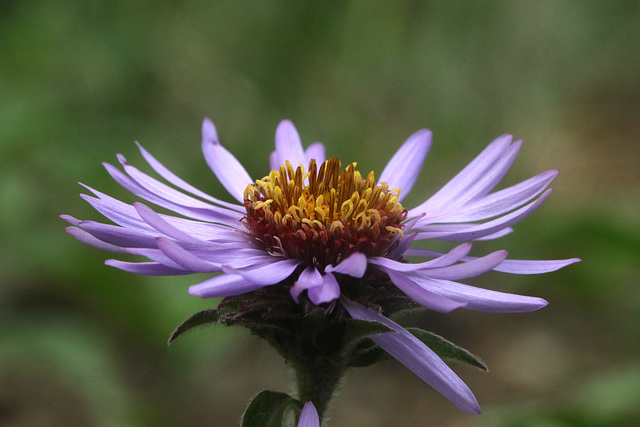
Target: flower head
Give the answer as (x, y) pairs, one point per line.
(329, 234)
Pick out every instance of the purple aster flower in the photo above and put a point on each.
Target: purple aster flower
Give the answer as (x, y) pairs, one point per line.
(320, 230)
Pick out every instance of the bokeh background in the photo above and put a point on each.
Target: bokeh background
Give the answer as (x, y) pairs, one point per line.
(82, 344)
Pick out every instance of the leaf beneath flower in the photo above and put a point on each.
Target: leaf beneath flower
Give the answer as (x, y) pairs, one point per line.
(446, 349)
(200, 318)
(270, 409)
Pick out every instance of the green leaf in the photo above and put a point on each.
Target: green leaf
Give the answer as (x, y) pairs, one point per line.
(355, 349)
(200, 318)
(446, 349)
(270, 409)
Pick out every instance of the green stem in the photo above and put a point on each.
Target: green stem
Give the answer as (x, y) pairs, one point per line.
(317, 381)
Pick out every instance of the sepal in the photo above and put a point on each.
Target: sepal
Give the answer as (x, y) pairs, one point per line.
(200, 318)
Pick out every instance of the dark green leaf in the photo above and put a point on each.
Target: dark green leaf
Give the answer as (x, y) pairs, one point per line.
(269, 409)
(446, 349)
(355, 332)
(200, 318)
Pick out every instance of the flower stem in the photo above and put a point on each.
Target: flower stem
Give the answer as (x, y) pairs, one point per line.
(317, 381)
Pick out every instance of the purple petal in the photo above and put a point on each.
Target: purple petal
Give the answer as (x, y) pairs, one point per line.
(422, 296)
(118, 236)
(517, 266)
(477, 298)
(497, 203)
(309, 416)
(155, 221)
(202, 211)
(184, 258)
(457, 233)
(403, 168)
(416, 356)
(467, 177)
(178, 182)
(465, 270)
(288, 146)
(327, 292)
(268, 273)
(227, 168)
(89, 240)
(146, 268)
(224, 285)
(314, 151)
(309, 278)
(119, 212)
(455, 255)
(354, 265)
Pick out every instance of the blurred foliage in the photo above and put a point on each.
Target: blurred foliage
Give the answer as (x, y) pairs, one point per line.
(82, 344)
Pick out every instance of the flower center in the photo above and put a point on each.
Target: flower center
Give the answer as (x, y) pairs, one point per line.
(324, 215)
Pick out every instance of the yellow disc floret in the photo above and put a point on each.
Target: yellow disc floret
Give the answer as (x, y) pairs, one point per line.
(323, 215)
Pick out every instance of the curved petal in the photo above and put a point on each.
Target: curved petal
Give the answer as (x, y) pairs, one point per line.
(329, 290)
(422, 296)
(467, 177)
(288, 146)
(496, 203)
(403, 168)
(479, 299)
(309, 278)
(465, 270)
(314, 151)
(268, 273)
(180, 183)
(227, 168)
(354, 265)
(224, 285)
(309, 416)
(146, 268)
(86, 238)
(442, 260)
(159, 224)
(465, 232)
(416, 356)
(184, 258)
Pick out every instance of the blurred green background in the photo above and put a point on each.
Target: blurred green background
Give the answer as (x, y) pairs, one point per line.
(82, 344)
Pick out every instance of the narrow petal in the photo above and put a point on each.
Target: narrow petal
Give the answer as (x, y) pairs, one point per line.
(466, 178)
(159, 224)
(479, 299)
(497, 203)
(327, 292)
(268, 273)
(89, 240)
(180, 183)
(227, 168)
(354, 265)
(288, 146)
(422, 296)
(309, 416)
(184, 258)
(516, 266)
(146, 268)
(419, 358)
(309, 278)
(455, 255)
(224, 285)
(404, 167)
(314, 151)
(203, 212)
(465, 270)
(457, 233)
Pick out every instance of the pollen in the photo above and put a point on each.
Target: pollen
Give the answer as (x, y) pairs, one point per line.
(323, 215)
